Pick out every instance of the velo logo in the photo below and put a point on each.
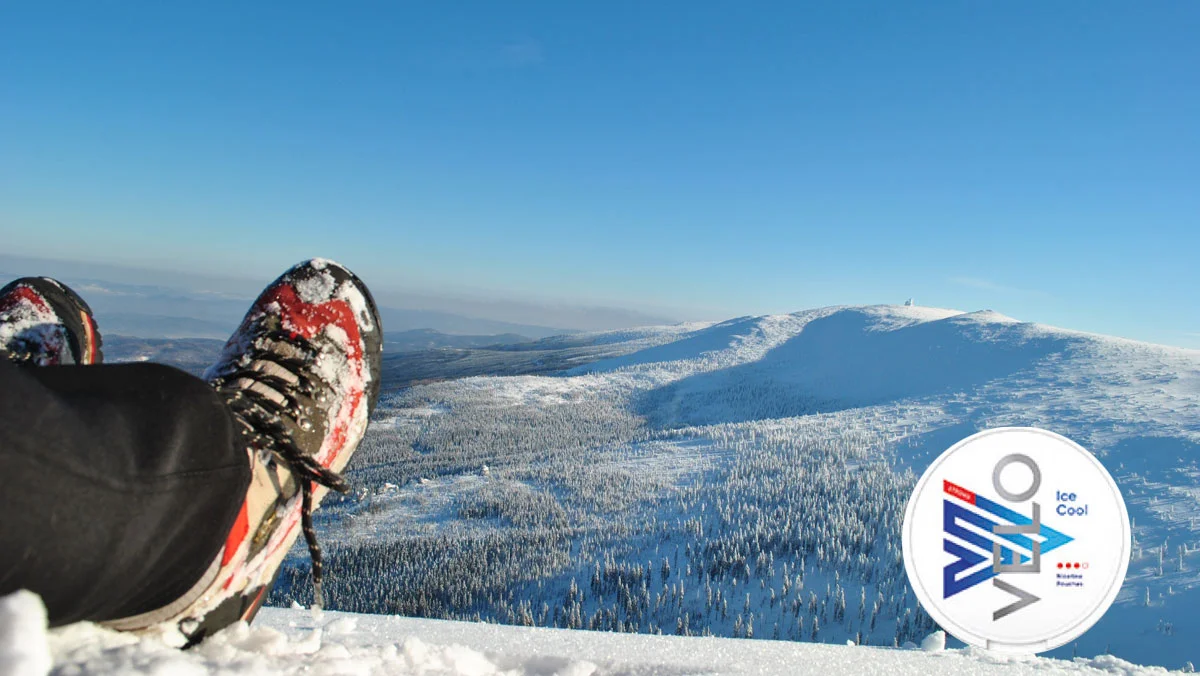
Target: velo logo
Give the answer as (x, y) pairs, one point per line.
(999, 535)
(980, 515)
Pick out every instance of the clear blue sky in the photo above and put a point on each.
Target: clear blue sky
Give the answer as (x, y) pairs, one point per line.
(702, 159)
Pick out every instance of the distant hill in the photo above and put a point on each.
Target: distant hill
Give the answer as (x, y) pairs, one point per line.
(195, 354)
(163, 327)
(401, 320)
(190, 354)
(428, 339)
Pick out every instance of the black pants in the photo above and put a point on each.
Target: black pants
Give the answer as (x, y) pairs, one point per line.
(118, 486)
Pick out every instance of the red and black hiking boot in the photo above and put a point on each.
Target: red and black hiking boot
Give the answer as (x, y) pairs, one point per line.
(301, 377)
(44, 323)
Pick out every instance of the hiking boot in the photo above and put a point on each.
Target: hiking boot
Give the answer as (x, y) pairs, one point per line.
(44, 323)
(301, 377)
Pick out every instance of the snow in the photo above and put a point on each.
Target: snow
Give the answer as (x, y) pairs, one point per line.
(903, 382)
(24, 650)
(935, 642)
(329, 643)
(317, 288)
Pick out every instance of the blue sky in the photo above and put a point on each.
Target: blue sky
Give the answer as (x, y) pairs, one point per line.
(695, 160)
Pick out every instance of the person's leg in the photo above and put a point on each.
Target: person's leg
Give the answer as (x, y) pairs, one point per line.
(193, 491)
(120, 485)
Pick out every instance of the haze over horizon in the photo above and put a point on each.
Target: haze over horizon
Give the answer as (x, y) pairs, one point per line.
(101, 283)
(672, 161)
(210, 305)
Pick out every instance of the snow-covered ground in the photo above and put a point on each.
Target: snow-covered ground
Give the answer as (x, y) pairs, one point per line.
(739, 479)
(693, 481)
(328, 644)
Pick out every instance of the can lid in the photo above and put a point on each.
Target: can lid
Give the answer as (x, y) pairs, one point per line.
(1016, 539)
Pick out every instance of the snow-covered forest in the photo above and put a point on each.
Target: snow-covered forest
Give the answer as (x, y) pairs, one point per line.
(747, 479)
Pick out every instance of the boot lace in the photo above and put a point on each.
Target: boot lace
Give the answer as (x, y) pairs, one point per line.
(262, 392)
(25, 352)
(20, 354)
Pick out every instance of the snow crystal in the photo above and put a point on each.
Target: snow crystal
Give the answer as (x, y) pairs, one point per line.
(23, 647)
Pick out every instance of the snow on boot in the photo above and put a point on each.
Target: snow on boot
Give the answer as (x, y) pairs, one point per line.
(44, 323)
(301, 377)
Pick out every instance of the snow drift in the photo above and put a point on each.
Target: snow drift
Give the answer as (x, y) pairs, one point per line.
(328, 644)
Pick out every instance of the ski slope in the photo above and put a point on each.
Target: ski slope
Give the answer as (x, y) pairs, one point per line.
(328, 644)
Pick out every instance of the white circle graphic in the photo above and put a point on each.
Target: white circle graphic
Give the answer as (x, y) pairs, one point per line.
(1016, 539)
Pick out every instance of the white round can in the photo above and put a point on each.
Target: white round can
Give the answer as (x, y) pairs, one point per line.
(1016, 539)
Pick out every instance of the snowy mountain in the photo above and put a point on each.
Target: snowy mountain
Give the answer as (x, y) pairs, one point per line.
(747, 478)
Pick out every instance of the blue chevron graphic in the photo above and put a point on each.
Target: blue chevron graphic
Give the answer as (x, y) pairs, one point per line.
(955, 515)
